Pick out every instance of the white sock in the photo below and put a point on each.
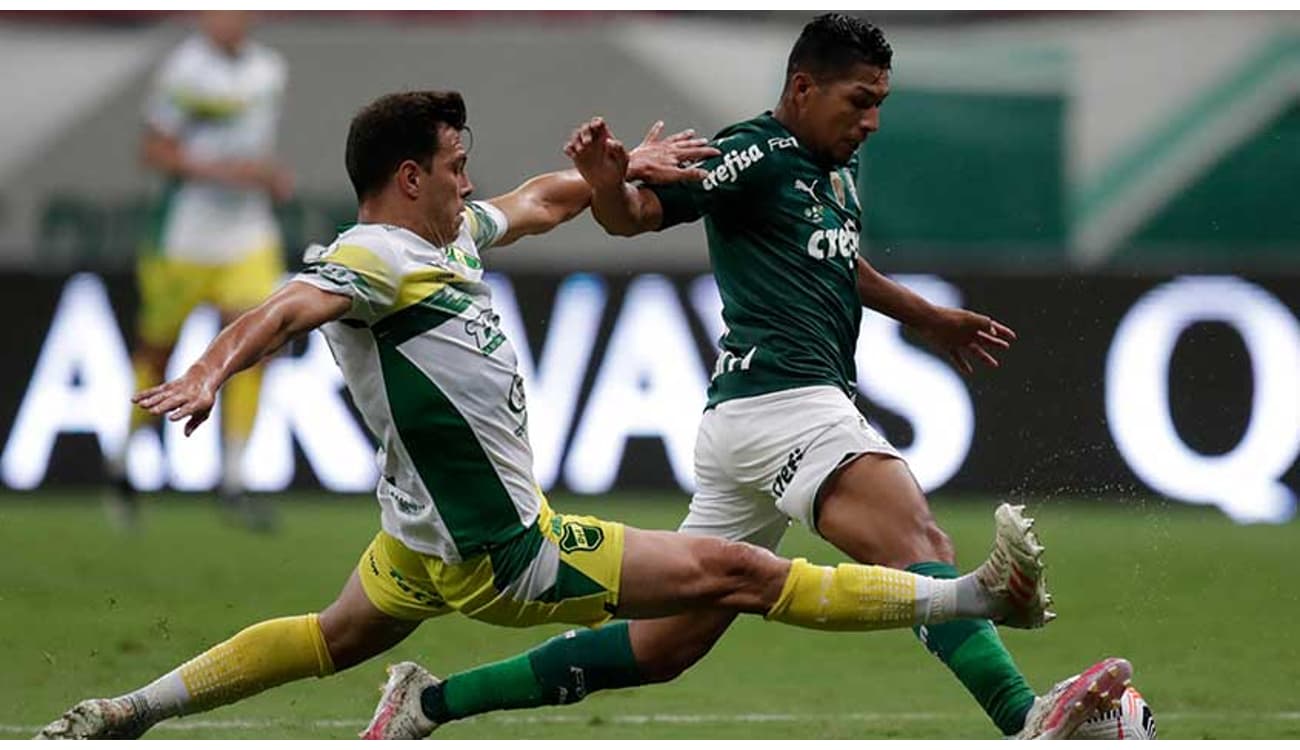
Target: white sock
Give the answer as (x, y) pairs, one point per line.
(232, 467)
(943, 599)
(163, 698)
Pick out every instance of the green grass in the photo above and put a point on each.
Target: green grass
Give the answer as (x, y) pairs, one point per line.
(1205, 610)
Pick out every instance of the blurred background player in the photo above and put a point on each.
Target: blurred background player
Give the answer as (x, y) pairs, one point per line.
(210, 125)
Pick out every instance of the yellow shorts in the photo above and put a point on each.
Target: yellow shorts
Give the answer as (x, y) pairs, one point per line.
(563, 569)
(170, 289)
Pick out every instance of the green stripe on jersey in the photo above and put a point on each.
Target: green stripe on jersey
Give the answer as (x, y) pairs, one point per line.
(570, 583)
(511, 560)
(425, 315)
(470, 497)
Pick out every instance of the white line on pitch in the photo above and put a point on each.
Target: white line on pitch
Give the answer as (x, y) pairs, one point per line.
(190, 725)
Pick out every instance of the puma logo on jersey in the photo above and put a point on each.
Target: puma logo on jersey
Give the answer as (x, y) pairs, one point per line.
(733, 163)
(811, 190)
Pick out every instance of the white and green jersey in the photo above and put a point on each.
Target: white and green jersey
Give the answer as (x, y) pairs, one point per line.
(436, 381)
(219, 108)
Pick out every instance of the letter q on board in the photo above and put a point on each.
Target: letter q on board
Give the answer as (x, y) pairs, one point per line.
(1243, 482)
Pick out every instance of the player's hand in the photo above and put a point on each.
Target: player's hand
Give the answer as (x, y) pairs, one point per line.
(599, 157)
(269, 176)
(280, 183)
(671, 159)
(189, 396)
(967, 337)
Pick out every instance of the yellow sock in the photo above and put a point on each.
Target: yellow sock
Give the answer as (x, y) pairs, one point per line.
(258, 657)
(238, 413)
(239, 404)
(146, 376)
(849, 597)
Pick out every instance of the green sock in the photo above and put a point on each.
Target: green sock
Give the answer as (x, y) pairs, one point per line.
(974, 652)
(565, 669)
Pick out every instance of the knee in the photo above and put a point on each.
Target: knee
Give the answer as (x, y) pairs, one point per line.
(726, 569)
(923, 541)
(940, 544)
(352, 637)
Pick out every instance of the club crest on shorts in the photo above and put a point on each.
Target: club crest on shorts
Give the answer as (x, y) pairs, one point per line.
(579, 537)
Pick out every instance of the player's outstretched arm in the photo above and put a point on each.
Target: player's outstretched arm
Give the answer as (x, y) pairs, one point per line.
(962, 335)
(622, 208)
(295, 309)
(546, 201)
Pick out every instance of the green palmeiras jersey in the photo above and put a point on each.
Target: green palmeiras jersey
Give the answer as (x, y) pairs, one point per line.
(783, 234)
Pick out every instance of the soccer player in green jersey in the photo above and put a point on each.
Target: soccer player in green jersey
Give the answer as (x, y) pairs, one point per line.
(781, 438)
(400, 298)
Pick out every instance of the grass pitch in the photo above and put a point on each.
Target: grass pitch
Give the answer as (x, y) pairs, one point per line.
(1204, 609)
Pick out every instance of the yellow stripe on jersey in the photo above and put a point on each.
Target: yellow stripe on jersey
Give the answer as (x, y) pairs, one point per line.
(389, 291)
(203, 107)
(420, 285)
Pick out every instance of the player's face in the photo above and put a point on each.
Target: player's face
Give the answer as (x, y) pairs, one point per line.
(226, 28)
(447, 186)
(841, 112)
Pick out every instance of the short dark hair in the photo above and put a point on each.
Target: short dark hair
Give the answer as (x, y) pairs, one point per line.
(833, 42)
(394, 128)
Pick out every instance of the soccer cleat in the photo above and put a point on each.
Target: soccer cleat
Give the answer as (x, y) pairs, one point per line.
(1013, 572)
(399, 715)
(96, 719)
(252, 513)
(1073, 701)
(1132, 719)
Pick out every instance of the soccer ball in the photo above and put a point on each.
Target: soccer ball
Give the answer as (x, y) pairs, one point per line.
(1130, 720)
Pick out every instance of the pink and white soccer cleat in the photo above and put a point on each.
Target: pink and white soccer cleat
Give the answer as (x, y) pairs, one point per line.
(399, 715)
(1071, 702)
(1132, 719)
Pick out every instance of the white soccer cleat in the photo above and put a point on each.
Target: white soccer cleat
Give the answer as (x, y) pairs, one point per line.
(1074, 701)
(96, 719)
(1130, 720)
(1013, 572)
(399, 715)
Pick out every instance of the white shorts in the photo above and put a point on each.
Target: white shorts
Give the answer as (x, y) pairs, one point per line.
(761, 461)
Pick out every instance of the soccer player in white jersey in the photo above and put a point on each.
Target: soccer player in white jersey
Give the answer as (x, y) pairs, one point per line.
(210, 125)
(781, 438)
(401, 300)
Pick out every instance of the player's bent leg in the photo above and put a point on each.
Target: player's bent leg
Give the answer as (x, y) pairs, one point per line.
(355, 630)
(662, 573)
(874, 511)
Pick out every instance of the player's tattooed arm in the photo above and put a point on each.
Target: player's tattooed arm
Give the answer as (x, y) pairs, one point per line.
(258, 333)
(963, 336)
(620, 207)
